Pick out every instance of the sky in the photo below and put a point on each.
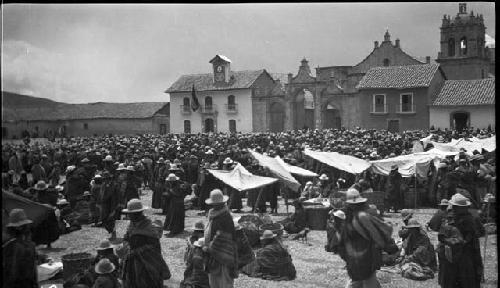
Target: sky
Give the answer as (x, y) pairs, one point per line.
(81, 53)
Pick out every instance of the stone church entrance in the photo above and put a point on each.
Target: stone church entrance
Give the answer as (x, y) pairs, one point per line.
(331, 117)
(277, 117)
(460, 120)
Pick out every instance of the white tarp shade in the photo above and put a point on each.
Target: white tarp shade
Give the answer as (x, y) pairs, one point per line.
(295, 169)
(240, 179)
(277, 170)
(407, 164)
(488, 144)
(339, 161)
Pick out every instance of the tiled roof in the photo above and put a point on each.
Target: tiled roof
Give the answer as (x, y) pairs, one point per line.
(467, 92)
(204, 82)
(410, 76)
(84, 111)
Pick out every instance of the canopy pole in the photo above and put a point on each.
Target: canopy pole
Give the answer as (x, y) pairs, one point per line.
(486, 237)
(416, 174)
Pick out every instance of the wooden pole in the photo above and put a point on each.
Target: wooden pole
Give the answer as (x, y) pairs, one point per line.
(415, 196)
(486, 237)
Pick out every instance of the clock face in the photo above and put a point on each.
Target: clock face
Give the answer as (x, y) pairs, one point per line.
(219, 68)
(219, 77)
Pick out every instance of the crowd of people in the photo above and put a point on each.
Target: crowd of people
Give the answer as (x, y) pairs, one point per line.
(99, 180)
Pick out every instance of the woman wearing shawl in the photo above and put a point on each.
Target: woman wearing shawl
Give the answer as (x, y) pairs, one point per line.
(272, 261)
(143, 265)
(174, 220)
(159, 176)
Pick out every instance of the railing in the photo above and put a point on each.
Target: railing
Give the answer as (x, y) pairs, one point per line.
(231, 108)
(379, 109)
(185, 109)
(407, 108)
(208, 109)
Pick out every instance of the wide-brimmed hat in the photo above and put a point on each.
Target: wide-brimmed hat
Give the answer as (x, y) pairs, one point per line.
(104, 245)
(85, 160)
(62, 201)
(459, 200)
(121, 166)
(172, 177)
(444, 202)
(413, 223)
(108, 158)
(104, 266)
(41, 185)
(209, 152)
(228, 161)
(216, 197)
(174, 167)
(199, 226)
(353, 197)
(134, 206)
(339, 214)
(323, 177)
(406, 214)
(200, 242)
(97, 176)
(59, 188)
(309, 183)
(86, 193)
(130, 168)
(268, 234)
(161, 161)
(17, 217)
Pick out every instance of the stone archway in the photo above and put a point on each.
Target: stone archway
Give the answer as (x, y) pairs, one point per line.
(277, 112)
(303, 107)
(460, 120)
(331, 116)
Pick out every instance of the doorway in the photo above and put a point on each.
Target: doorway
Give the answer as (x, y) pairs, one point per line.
(393, 126)
(209, 125)
(163, 129)
(460, 120)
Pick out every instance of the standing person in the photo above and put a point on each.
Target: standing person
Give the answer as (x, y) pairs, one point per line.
(19, 254)
(174, 220)
(438, 217)
(96, 190)
(460, 261)
(195, 275)
(394, 189)
(37, 171)
(159, 176)
(362, 240)
(143, 265)
(220, 234)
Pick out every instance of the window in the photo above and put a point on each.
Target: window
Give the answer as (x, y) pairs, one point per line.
(332, 74)
(406, 103)
(232, 126)
(231, 103)
(379, 104)
(463, 46)
(163, 129)
(308, 99)
(208, 102)
(451, 47)
(85, 126)
(187, 126)
(4, 132)
(386, 62)
(186, 104)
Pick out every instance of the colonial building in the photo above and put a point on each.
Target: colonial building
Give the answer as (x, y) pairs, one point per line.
(230, 101)
(397, 98)
(74, 120)
(464, 103)
(464, 52)
(331, 99)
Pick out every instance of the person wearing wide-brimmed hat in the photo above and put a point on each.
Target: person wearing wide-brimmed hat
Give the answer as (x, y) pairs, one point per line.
(272, 261)
(106, 274)
(175, 213)
(106, 250)
(394, 189)
(459, 253)
(195, 275)
(206, 183)
(220, 236)
(143, 264)
(368, 237)
(160, 173)
(297, 221)
(19, 253)
(418, 248)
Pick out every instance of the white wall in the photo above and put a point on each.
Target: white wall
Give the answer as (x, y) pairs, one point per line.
(480, 116)
(243, 100)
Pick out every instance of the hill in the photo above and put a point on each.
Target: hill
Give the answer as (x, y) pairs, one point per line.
(14, 100)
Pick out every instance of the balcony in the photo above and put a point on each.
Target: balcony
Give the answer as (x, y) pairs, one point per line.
(186, 109)
(231, 108)
(406, 109)
(379, 110)
(208, 109)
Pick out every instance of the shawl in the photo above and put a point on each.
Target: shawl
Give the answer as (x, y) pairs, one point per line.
(370, 227)
(142, 227)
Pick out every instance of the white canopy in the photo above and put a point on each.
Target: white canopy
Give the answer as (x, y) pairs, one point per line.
(342, 162)
(488, 144)
(295, 169)
(407, 164)
(277, 170)
(240, 179)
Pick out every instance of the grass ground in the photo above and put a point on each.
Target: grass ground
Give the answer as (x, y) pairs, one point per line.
(315, 267)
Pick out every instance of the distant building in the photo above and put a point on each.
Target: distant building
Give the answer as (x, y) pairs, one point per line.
(330, 99)
(75, 120)
(464, 103)
(230, 101)
(397, 98)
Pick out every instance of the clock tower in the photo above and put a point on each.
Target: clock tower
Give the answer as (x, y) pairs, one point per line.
(221, 66)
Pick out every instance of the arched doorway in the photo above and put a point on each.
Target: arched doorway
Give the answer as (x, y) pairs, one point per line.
(209, 125)
(304, 110)
(460, 120)
(331, 117)
(277, 117)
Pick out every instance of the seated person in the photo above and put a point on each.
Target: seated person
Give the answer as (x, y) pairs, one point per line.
(106, 275)
(198, 232)
(82, 207)
(435, 223)
(297, 221)
(195, 275)
(309, 191)
(406, 214)
(68, 219)
(334, 228)
(418, 247)
(105, 250)
(245, 252)
(272, 262)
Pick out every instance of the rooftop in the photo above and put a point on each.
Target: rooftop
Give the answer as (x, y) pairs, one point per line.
(399, 77)
(467, 92)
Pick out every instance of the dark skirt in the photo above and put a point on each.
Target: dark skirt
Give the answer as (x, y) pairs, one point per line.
(144, 267)
(156, 199)
(234, 199)
(174, 220)
(47, 231)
